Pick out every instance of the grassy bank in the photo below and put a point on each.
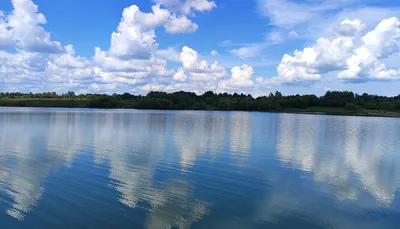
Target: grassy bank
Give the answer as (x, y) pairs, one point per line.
(343, 111)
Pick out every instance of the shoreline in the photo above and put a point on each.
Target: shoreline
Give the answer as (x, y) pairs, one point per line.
(309, 111)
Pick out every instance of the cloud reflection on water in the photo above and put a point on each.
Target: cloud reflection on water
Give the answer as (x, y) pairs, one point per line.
(156, 161)
(31, 147)
(346, 152)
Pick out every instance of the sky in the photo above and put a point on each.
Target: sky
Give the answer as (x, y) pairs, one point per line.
(243, 46)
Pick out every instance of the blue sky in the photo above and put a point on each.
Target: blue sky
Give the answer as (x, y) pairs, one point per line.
(249, 46)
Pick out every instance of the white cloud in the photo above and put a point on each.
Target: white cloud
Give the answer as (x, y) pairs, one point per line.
(180, 75)
(365, 62)
(65, 71)
(199, 5)
(328, 24)
(135, 36)
(249, 51)
(127, 78)
(34, 71)
(22, 70)
(68, 71)
(240, 78)
(30, 68)
(314, 19)
(214, 53)
(180, 24)
(357, 58)
(195, 75)
(351, 28)
(110, 63)
(133, 62)
(103, 87)
(25, 21)
(132, 59)
(132, 68)
(198, 69)
(189, 58)
(69, 60)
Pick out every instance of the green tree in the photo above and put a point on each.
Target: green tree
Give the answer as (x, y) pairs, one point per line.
(351, 107)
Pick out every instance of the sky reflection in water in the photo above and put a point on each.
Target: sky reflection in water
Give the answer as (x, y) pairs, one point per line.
(151, 169)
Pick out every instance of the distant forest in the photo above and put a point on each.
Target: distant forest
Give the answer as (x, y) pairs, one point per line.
(333, 102)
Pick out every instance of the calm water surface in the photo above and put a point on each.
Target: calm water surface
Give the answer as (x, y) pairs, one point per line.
(71, 168)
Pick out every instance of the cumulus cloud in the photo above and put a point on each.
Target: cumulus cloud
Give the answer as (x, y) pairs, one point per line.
(180, 25)
(134, 61)
(135, 35)
(25, 21)
(198, 69)
(198, 5)
(240, 78)
(195, 75)
(351, 28)
(69, 60)
(365, 61)
(30, 67)
(22, 69)
(110, 68)
(180, 75)
(68, 71)
(178, 21)
(129, 61)
(357, 58)
(34, 71)
(133, 58)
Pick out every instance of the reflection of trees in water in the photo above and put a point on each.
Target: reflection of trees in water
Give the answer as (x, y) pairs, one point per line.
(336, 149)
(32, 145)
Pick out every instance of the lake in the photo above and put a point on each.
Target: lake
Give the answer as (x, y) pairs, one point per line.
(82, 168)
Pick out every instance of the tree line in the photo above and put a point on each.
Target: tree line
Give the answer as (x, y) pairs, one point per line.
(344, 100)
